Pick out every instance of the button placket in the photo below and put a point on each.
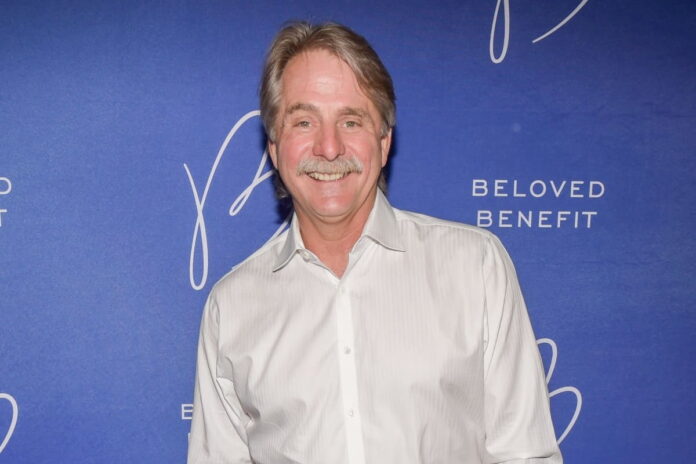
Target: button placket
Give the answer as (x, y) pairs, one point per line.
(348, 373)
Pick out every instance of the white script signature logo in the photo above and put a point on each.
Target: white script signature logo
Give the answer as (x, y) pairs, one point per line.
(200, 235)
(506, 24)
(13, 422)
(558, 391)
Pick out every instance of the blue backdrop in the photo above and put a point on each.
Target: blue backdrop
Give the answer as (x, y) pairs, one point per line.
(132, 177)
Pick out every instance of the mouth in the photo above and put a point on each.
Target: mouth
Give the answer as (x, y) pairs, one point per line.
(326, 177)
(329, 171)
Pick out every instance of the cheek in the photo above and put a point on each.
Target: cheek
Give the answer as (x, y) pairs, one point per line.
(369, 151)
(291, 150)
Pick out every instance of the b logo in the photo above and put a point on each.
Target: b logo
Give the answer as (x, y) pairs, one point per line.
(200, 236)
(13, 422)
(558, 391)
(506, 24)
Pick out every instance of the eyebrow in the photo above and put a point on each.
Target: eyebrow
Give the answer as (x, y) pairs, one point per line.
(301, 107)
(351, 111)
(345, 111)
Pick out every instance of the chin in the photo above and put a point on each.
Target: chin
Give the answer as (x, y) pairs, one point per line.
(332, 208)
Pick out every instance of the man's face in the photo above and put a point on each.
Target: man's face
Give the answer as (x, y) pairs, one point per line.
(328, 149)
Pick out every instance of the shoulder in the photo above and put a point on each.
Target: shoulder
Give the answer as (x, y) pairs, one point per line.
(449, 240)
(428, 225)
(253, 270)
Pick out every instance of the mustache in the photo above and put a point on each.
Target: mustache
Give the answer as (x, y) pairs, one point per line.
(339, 165)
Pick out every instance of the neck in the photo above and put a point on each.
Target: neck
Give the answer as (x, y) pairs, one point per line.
(333, 239)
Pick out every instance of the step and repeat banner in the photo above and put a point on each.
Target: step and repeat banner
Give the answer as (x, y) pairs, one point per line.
(133, 176)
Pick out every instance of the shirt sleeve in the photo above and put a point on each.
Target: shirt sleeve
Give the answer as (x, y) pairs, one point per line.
(516, 401)
(217, 434)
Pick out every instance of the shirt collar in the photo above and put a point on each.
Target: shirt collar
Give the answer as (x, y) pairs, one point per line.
(293, 244)
(381, 227)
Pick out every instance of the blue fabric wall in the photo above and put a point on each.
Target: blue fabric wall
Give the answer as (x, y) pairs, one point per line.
(116, 185)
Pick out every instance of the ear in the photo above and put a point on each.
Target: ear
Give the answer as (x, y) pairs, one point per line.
(385, 144)
(272, 148)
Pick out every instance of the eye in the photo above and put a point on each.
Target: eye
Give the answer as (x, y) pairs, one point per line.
(351, 124)
(303, 124)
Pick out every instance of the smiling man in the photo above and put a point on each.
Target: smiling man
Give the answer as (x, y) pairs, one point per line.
(329, 150)
(364, 334)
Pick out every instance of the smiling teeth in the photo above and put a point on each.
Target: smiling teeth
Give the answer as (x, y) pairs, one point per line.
(326, 177)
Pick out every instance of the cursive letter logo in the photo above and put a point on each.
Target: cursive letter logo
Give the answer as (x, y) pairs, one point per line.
(506, 24)
(199, 230)
(562, 23)
(558, 391)
(13, 422)
(506, 36)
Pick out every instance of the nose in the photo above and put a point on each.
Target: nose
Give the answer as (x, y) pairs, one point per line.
(328, 143)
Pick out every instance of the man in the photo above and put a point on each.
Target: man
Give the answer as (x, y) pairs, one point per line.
(363, 334)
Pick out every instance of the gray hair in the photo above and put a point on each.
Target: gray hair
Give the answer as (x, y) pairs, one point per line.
(350, 47)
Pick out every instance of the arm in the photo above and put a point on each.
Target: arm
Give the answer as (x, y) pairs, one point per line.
(217, 430)
(516, 403)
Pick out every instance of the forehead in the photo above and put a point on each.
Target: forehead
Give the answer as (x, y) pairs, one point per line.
(319, 76)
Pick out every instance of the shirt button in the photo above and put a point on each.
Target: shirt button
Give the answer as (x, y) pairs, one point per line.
(351, 413)
(347, 350)
(305, 255)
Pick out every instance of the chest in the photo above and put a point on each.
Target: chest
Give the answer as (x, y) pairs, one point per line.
(409, 329)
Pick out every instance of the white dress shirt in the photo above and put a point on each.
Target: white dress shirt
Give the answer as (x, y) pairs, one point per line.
(422, 353)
